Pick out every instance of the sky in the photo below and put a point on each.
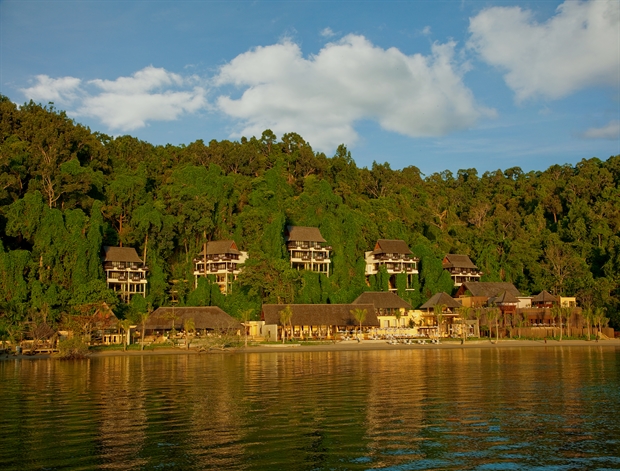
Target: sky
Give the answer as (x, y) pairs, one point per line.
(440, 85)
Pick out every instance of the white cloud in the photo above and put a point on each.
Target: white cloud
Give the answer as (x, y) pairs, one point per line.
(327, 33)
(62, 91)
(610, 131)
(127, 103)
(576, 48)
(321, 97)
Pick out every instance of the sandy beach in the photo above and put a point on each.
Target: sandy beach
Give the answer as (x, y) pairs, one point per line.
(365, 345)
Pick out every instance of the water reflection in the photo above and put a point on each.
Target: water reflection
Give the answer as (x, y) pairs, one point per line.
(400, 409)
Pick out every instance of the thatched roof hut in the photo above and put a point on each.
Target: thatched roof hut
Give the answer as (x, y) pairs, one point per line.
(441, 299)
(385, 302)
(337, 315)
(204, 318)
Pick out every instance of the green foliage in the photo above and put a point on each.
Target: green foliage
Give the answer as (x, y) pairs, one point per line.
(73, 348)
(65, 192)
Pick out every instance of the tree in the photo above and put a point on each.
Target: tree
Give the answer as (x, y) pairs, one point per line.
(465, 313)
(286, 316)
(438, 311)
(359, 315)
(246, 315)
(125, 325)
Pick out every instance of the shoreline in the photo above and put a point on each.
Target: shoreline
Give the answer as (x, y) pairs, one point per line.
(351, 346)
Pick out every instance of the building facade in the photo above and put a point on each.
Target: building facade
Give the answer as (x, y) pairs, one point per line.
(396, 257)
(223, 260)
(308, 250)
(125, 272)
(461, 269)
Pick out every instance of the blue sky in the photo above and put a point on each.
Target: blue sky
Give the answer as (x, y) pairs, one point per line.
(435, 84)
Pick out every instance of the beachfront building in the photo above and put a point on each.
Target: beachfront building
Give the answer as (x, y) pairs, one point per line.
(184, 322)
(461, 269)
(223, 260)
(442, 317)
(307, 249)
(391, 311)
(478, 293)
(397, 259)
(125, 272)
(317, 321)
(544, 300)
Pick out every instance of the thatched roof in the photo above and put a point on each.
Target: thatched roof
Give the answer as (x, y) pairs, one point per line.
(208, 317)
(304, 234)
(545, 297)
(504, 298)
(458, 261)
(382, 300)
(439, 299)
(321, 314)
(391, 246)
(120, 254)
(489, 289)
(219, 247)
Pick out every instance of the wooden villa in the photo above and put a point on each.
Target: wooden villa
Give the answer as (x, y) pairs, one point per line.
(396, 257)
(125, 272)
(461, 269)
(478, 294)
(308, 250)
(221, 259)
(545, 300)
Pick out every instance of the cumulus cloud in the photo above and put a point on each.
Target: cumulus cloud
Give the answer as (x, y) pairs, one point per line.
(610, 131)
(127, 103)
(63, 90)
(322, 97)
(576, 48)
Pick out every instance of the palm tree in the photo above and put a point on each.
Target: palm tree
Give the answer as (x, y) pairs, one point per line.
(493, 314)
(142, 318)
(246, 315)
(190, 327)
(465, 313)
(587, 315)
(478, 315)
(286, 315)
(555, 312)
(125, 324)
(438, 311)
(360, 315)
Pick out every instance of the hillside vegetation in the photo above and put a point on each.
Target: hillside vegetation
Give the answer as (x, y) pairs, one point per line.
(66, 191)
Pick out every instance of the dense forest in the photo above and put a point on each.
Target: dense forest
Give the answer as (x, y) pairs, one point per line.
(66, 191)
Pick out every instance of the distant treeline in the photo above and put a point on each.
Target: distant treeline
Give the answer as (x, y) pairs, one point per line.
(66, 191)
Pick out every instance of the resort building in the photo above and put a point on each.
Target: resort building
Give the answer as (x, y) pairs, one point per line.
(307, 249)
(125, 272)
(461, 269)
(544, 300)
(318, 321)
(199, 320)
(391, 311)
(396, 257)
(223, 260)
(478, 293)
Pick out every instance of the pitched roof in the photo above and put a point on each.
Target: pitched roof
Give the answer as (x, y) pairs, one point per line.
(490, 289)
(206, 317)
(382, 300)
(544, 297)
(321, 314)
(304, 234)
(504, 298)
(457, 261)
(439, 299)
(391, 246)
(218, 247)
(120, 254)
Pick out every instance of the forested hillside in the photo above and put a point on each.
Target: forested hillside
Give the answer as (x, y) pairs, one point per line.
(66, 191)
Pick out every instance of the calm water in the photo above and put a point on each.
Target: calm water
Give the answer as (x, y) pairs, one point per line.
(533, 409)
